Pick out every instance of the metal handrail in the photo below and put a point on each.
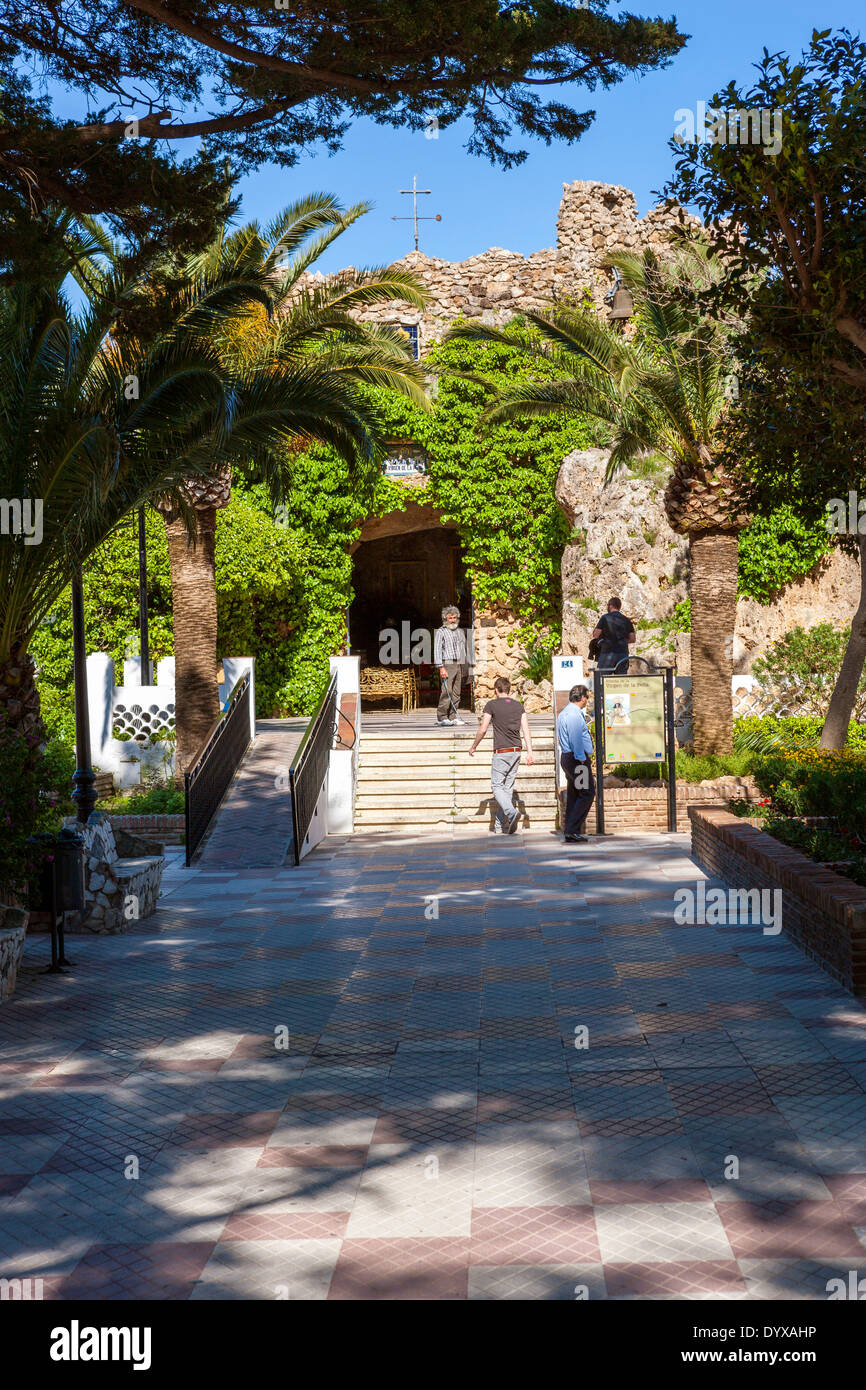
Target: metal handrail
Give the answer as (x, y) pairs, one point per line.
(197, 819)
(309, 766)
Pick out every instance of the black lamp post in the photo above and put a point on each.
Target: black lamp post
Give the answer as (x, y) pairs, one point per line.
(83, 780)
(142, 600)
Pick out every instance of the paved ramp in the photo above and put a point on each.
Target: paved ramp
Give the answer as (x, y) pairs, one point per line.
(254, 828)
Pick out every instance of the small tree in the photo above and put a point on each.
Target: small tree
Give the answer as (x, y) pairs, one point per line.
(803, 666)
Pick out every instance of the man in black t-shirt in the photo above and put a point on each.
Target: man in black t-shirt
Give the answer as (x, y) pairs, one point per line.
(510, 727)
(616, 633)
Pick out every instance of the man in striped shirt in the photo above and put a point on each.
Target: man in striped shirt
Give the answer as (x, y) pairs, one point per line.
(449, 655)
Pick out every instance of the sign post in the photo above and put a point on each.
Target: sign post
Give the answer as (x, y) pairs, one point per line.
(634, 723)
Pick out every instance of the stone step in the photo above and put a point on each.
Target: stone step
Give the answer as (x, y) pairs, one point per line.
(412, 762)
(403, 792)
(437, 815)
(440, 738)
(448, 798)
(471, 768)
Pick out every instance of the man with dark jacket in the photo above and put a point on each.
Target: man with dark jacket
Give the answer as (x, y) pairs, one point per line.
(616, 634)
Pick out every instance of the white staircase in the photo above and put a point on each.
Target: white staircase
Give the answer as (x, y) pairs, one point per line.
(426, 780)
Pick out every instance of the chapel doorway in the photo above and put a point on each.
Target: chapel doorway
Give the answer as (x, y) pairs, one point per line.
(407, 567)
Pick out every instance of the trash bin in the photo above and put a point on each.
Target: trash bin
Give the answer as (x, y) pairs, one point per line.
(69, 870)
(61, 884)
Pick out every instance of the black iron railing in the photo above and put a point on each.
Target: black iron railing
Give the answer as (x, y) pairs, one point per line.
(207, 781)
(310, 765)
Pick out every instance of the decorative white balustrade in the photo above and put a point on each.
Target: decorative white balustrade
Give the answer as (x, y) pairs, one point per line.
(126, 720)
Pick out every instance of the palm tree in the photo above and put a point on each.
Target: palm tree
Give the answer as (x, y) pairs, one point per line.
(79, 447)
(662, 392)
(296, 359)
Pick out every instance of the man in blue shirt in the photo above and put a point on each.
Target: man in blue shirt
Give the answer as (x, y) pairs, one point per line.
(575, 760)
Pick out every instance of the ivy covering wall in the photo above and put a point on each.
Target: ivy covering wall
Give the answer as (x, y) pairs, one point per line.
(284, 575)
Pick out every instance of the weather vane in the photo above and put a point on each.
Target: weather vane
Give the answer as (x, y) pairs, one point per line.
(415, 190)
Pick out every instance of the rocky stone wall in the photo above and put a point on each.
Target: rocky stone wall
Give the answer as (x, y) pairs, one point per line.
(499, 653)
(13, 929)
(622, 544)
(595, 219)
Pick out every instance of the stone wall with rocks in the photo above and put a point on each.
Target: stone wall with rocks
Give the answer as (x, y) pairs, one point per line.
(622, 544)
(118, 891)
(594, 220)
(13, 929)
(498, 652)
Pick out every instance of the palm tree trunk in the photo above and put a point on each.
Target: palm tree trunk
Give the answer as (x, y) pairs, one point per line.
(193, 587)
(713, 593)
(19, 697)
(835, 731)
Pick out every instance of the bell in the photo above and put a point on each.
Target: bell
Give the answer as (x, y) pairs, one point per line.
(622, 304)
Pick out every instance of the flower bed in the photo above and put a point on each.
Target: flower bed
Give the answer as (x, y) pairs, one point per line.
(814, 800)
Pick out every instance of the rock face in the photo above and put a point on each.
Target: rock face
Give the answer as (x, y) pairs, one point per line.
(622, 544)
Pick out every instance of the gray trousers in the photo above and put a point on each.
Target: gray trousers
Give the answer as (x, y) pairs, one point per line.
(452, 684)
(502, 774)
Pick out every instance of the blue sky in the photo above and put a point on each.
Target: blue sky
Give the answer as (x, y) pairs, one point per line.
(484, 206)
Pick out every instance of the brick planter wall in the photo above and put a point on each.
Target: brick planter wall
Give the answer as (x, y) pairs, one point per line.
(824, 913)
(646, 808)
(163, 830)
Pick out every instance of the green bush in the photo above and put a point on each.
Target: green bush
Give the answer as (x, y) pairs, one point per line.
(823, 845)
(810, 661)
(776, 549)
(816, 782)
(690, 768)
(154, 801)
(34, 795)
(763, 733)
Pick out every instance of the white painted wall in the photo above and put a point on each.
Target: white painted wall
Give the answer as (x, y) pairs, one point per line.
(125, 758)
(343, 768)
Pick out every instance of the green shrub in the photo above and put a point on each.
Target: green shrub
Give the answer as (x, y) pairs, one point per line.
(764, 733)
(34, 794)
(538, 665)
(690, 768)
(816, 782)
(823, 845)
(810, 661)
(154, 801)
(776, 549)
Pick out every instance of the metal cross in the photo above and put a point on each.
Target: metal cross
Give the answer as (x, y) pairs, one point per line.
(415, 190)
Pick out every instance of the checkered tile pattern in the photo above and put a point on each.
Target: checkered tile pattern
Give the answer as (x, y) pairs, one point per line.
(292, 1084)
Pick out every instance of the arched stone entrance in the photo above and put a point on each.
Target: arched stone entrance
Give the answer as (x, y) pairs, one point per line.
(408, 565)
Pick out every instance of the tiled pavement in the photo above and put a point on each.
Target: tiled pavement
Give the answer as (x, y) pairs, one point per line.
(435, 1127)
